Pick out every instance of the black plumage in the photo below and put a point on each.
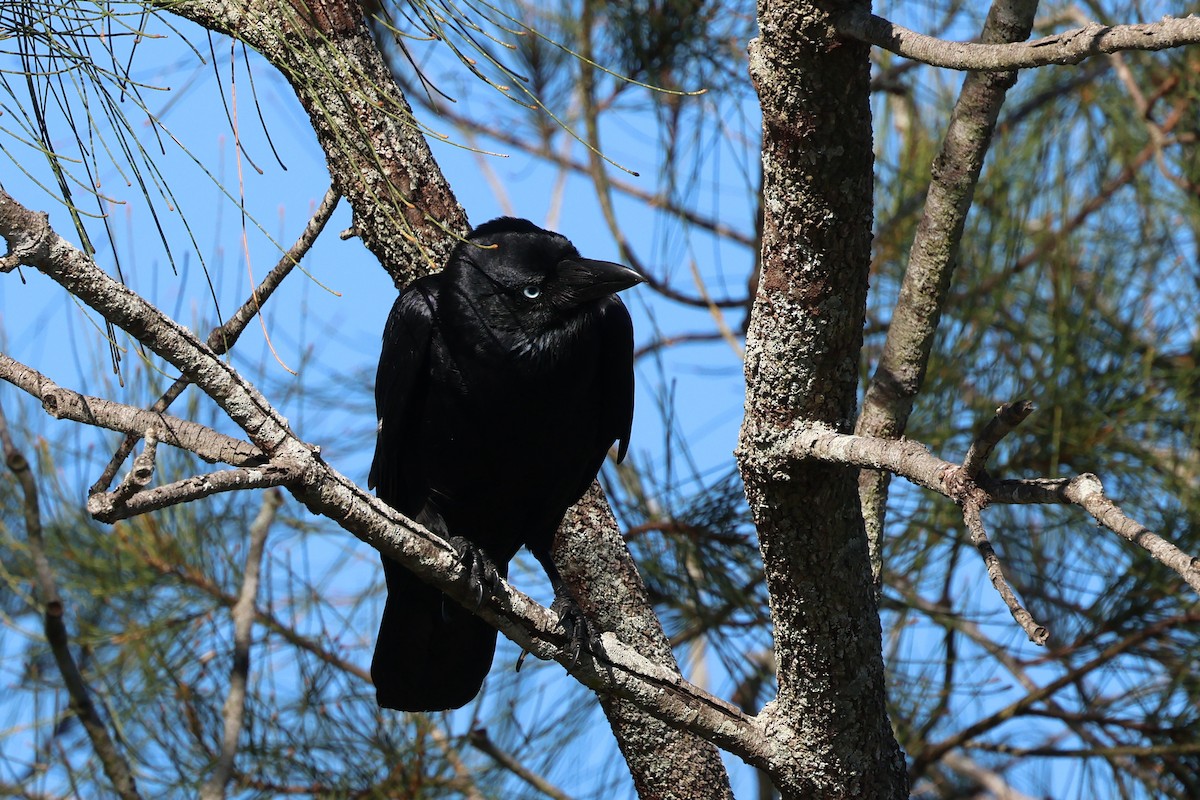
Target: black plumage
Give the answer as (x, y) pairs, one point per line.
(503, 382)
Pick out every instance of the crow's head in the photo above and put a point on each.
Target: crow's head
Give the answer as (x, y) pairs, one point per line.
(519, 276)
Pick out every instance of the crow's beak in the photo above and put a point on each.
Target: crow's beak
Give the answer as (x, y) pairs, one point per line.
(585, 279)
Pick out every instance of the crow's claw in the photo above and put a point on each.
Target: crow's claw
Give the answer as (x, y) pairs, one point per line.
(579, 629)
(481, 570)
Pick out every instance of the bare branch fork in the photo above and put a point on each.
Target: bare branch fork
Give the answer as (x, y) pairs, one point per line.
(1069, 47)
(222, 338)
(972, 488)
(616, 669)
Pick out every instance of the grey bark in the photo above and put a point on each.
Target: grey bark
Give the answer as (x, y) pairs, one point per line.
(666, 763)
(932, 259)
(1068, 47)
(828, 728)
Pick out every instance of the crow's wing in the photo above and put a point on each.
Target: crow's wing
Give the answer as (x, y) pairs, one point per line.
(616, 376)
(401, 391)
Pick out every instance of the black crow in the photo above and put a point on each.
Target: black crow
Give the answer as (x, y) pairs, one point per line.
(503, 382)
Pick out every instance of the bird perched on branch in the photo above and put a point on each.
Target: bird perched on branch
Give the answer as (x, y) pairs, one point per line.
(503, 382)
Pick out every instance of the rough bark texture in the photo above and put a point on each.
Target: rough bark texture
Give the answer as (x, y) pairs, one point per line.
(901, 370)
(665, 762)
(828, 727)
(404, 211)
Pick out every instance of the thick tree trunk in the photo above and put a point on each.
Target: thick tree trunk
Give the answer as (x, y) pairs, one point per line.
(666, 763)
(802, 353)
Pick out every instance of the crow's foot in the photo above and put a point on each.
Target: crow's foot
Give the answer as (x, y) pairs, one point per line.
(482, 574)
(579, 629)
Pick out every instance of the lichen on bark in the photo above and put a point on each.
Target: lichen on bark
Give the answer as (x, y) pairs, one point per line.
(829, 724)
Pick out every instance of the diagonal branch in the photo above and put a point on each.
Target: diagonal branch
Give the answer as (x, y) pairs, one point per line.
(1037, 633)
(1087, 492)
(933, 256)
(1008, 416)
(223, 337)
(378, 158)
(1069, 47)
(616, 669)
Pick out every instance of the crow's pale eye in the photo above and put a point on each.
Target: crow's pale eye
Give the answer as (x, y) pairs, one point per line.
(531, 292)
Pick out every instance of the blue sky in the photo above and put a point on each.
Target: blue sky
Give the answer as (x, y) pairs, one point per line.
(327, 327)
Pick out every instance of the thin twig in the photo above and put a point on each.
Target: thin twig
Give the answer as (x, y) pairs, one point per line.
(222, 338)
(993, 782)
(1037, 633)
(1008, 416)
(243, 622)
(111, 507)
(671, 341)
(480, 740)
(1087, 492)
(115, 766)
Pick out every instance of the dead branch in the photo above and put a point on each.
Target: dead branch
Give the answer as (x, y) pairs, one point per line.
(222, 338)
(1037, 633)
(62, 403)
(913, 461)
(112, 506)
(1069, 47)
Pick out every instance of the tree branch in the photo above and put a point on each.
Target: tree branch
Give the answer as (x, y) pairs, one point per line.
(1037, 633)
(111, 759)
(1069, 47)
(111, 506)
(1008, 416)
(222, 338)
(900, 373)
(1087, 492)
(615, 669)
(913, 461)
(62, 403)
(243, 621)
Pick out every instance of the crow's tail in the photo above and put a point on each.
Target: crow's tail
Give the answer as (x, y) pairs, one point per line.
(432, 654)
